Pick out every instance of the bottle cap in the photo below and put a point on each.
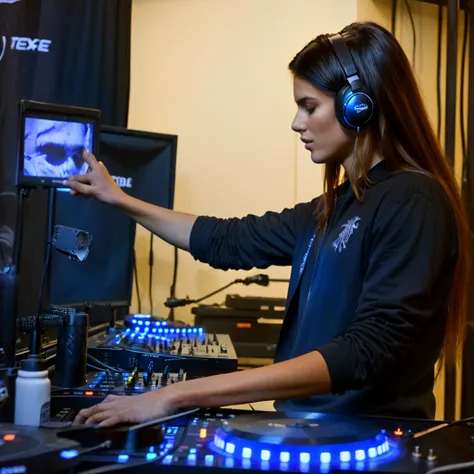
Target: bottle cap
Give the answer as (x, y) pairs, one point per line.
(33, 363)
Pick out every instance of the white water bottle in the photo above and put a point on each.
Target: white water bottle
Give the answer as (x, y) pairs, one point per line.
(32, 393)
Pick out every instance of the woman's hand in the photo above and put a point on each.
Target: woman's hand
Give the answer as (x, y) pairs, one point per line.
(96, 183)
(127, 409)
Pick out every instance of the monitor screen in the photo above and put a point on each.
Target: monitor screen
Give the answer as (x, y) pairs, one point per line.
(143, 164)
(52, 141)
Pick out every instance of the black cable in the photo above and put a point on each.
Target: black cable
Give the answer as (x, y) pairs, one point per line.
(452, 468)
(438, 69)
(105, 366)
(461, 106)
(394, 15)
(413, 29)
(150, 264)
(173, 283)
(137, 288)
(35, 336)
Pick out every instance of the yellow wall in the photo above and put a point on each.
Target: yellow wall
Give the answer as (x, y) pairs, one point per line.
(214, 72)
(425, 18)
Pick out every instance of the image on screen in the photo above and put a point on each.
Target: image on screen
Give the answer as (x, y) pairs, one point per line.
(54, 148)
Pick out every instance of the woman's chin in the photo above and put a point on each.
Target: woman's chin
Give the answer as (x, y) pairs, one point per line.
(318, 158)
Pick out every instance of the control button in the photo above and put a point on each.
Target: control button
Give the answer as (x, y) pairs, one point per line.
(417, 452)
(431, 455)
(398, 432)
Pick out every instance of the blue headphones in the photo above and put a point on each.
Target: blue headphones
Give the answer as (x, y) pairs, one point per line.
(354, 106)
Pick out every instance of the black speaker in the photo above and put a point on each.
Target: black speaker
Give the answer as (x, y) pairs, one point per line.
(467, 398)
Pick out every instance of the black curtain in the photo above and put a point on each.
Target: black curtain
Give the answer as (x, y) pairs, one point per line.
(61, 51)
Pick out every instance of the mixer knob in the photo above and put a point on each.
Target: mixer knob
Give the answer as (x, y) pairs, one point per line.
(417, 452)
(431, 455)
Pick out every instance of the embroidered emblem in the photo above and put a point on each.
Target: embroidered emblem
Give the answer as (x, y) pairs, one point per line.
(347, 230)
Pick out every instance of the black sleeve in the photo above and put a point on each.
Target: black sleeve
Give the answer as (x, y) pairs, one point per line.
(409, 274)
(252, 241)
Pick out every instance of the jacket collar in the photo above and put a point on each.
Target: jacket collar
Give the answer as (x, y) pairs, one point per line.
(376, 174)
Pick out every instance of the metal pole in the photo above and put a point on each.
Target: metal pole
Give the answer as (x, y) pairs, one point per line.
(449, 145)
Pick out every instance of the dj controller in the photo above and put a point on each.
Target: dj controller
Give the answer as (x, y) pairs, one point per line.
(232, 441)
(148, 354)
(145, 340)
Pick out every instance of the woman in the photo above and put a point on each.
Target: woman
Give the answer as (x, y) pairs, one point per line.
(379, 261)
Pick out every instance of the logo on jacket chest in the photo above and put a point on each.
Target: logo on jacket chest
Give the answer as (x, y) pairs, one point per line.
(347, 230)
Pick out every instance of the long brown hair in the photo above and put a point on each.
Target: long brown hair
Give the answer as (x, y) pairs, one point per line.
(401, 133)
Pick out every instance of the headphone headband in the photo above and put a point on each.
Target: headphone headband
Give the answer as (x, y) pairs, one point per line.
(346, 61)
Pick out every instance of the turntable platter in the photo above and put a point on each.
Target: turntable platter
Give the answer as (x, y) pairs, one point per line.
(303, 438)
(29, 449)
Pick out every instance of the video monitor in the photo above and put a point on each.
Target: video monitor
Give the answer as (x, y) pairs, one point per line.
(52, 139)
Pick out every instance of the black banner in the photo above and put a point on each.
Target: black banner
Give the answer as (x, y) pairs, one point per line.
(60, 51)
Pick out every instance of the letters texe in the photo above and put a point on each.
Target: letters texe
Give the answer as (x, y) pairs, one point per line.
(21, 43)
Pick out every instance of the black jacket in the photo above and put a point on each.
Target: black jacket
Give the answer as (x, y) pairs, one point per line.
(369, 293)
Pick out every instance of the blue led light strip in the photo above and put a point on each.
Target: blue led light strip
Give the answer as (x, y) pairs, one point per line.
(375, 449)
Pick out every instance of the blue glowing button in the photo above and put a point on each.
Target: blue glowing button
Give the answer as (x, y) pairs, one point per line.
(69, 453)
(303, 440)
(122, 458)
(284, 456)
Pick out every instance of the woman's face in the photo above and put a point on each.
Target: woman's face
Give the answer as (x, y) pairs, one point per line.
(316, 122)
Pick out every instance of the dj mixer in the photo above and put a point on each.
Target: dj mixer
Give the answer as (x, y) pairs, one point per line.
(232, 441)
(145, 340)
(101, 384)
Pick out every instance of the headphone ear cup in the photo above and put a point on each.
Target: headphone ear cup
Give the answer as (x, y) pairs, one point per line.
(341, 99)
(354, 110)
